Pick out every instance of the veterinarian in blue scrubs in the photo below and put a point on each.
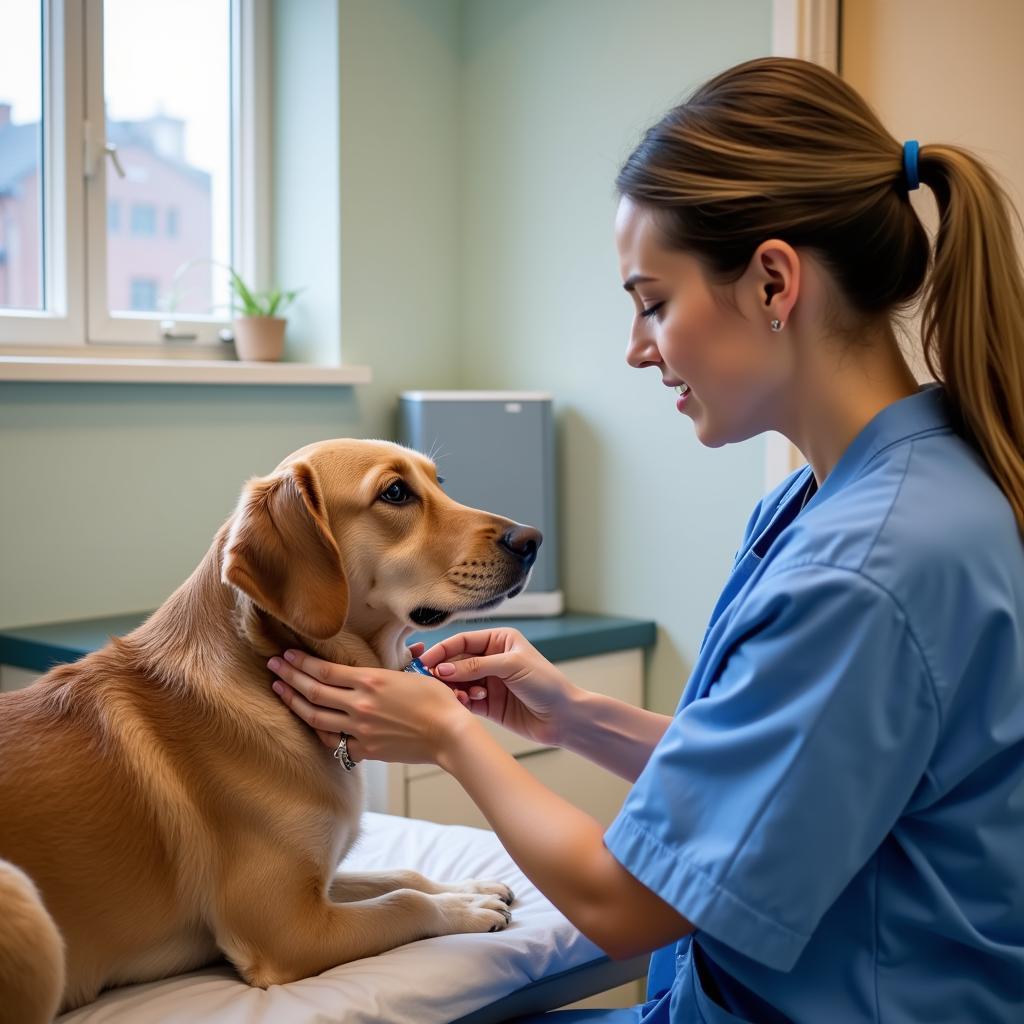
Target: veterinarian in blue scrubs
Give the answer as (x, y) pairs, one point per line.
(831, 825)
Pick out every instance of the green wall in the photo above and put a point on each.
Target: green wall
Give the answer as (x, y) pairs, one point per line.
(469, 245)
(555, 96)
(112, 493)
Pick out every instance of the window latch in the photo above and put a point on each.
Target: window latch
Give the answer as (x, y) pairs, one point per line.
(168, 333)
(96, 149)
(111, 150)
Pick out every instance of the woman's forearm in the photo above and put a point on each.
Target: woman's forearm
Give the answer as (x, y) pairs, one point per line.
(611, 733)
(559, 848)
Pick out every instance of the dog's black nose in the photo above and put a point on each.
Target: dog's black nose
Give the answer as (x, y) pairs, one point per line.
(523, 541)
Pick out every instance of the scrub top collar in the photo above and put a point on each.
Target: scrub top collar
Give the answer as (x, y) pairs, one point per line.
(925, 412)
(914, 416)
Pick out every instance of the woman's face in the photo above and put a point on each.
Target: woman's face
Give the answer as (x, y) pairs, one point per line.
(733, 367)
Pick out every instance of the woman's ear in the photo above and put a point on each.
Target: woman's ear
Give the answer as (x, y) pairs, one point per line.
(774, 272)
(281, 554)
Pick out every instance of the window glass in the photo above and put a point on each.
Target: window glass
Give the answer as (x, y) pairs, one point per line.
(21, 164)
(144, 294)
(167, 86)
(143, 220)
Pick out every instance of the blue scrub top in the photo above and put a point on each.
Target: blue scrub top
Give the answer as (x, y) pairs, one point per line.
(838, 803)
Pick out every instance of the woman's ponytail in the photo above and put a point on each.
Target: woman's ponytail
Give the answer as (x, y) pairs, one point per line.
(973, 313)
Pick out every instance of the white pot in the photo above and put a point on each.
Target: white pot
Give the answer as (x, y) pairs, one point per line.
(259, 338)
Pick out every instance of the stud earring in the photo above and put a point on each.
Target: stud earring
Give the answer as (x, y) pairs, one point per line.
(776, 325)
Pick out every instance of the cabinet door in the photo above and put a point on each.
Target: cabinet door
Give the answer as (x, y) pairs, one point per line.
(439, 797)
(14, 678)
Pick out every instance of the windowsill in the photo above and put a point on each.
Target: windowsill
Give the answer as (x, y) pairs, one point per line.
(113, 370)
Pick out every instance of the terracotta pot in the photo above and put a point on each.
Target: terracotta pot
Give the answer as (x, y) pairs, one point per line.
(259, 338)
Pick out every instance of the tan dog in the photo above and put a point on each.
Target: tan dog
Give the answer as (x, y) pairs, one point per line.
(163, 806)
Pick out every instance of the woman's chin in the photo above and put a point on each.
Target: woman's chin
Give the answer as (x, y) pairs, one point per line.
(710, 435)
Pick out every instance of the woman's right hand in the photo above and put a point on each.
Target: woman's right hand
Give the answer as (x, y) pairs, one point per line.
(505, 679)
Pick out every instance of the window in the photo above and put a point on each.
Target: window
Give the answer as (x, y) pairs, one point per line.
(121, 205)
(143, 220)
(21, 197)
(144, 293)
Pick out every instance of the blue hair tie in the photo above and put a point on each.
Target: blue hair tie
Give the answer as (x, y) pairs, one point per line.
(910, 171)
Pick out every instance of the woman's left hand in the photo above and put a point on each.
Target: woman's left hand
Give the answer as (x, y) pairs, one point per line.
(388, 716)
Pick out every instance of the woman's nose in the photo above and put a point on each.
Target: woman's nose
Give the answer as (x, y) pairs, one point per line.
(642, 351)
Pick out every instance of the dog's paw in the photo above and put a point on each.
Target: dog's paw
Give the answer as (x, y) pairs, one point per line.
(472, 912)
(499, 889)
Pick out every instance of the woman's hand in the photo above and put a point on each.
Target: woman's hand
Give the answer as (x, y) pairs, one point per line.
(506, 680)
(389, 716)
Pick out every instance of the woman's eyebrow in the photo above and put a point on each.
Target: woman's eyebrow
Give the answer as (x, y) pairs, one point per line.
(634, 279)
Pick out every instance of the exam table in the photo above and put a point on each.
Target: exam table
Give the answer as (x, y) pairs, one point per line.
(539, 962)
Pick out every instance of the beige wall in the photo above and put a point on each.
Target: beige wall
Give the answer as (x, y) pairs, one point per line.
(943, 71)
(947, 71)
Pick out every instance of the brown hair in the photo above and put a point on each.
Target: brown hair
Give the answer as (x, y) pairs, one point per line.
(781, 148)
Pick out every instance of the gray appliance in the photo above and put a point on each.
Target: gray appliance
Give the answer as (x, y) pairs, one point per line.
(495, 451)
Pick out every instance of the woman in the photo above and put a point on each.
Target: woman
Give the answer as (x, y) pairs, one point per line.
(831, 826)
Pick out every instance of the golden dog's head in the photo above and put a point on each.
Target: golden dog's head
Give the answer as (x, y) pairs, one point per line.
(360, 535)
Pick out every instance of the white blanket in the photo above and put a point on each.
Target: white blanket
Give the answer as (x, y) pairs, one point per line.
(432, 981)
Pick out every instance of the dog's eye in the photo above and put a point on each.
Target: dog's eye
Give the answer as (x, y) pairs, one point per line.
(397, 493)
(440, 480)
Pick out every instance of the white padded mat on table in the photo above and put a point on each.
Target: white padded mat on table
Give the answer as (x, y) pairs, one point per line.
(432, 981)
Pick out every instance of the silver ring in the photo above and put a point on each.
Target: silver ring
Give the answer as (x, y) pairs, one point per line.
(341, 753)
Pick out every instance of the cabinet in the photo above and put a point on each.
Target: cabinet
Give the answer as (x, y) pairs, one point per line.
(14, 678)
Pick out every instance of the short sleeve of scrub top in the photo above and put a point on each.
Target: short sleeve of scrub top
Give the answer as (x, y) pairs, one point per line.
(743, 816)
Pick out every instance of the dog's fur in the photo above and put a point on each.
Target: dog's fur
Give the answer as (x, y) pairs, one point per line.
(160, 807)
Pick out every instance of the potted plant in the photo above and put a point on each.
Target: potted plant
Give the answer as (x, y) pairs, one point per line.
(258, 324)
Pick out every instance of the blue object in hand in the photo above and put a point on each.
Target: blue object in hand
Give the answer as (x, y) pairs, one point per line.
(417, 666)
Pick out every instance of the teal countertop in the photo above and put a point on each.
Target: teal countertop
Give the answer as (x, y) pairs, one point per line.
(39, 648)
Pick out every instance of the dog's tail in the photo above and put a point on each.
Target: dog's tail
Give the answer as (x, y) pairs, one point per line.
(31, 953)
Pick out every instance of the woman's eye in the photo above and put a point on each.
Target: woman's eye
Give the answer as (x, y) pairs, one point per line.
(397, 493)
(651, 310)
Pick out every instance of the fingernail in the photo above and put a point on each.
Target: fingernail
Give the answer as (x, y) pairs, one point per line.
(446, 668)
(274, 663)
(277, 687)
(289, 655)
(478, 693)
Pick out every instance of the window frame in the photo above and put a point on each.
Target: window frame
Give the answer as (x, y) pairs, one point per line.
(73, 187)
(61, 189)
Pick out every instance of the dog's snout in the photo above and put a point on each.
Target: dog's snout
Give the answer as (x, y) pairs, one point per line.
(522, 541)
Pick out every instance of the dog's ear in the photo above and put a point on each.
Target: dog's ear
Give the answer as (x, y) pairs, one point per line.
(281, 553)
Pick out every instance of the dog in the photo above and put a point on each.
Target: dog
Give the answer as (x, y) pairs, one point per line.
(160, 808)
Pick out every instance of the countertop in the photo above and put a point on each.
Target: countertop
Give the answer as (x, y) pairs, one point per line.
(558, 638)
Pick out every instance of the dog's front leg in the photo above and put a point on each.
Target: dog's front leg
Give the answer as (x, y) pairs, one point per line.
(350, 887)
(295, 932)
